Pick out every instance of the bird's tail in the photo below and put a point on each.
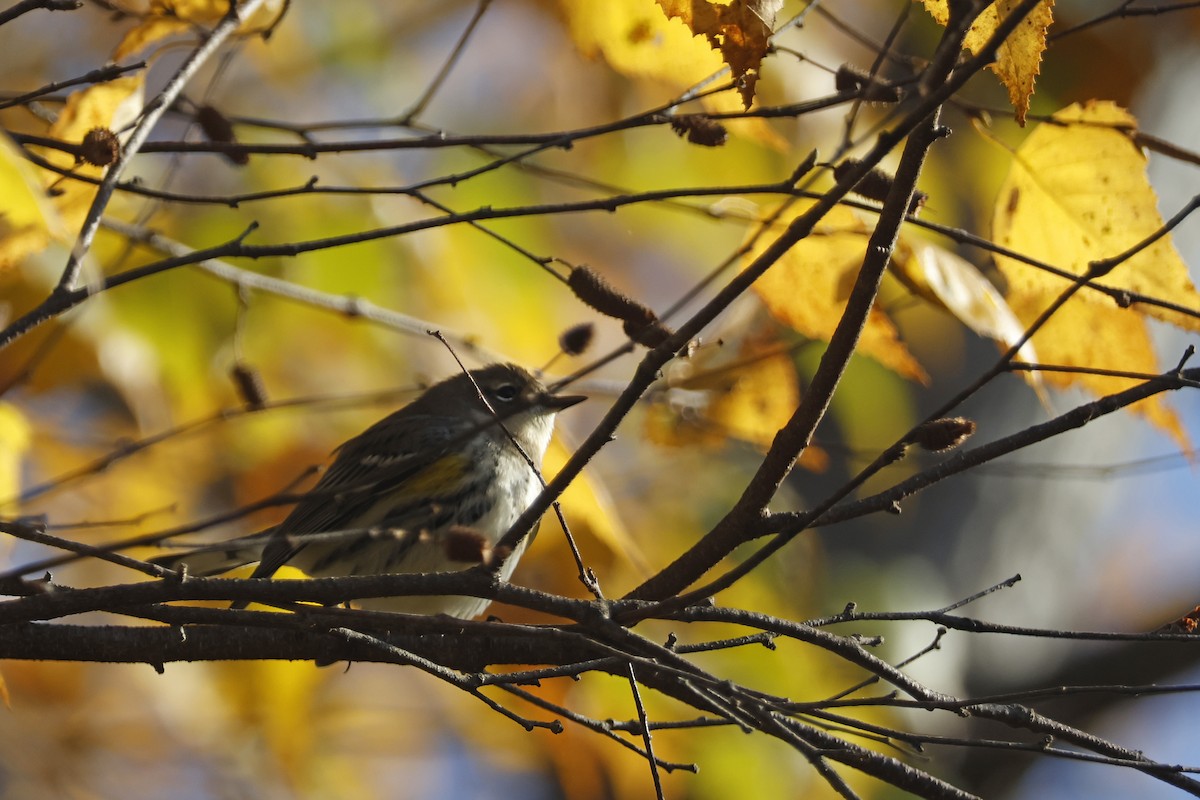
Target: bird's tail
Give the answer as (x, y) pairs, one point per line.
(218, 558)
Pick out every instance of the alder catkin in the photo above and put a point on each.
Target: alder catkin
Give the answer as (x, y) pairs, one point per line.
(700, 129)
(577, 338)
(641, 324)
(876, 184)
(218, 128)
(249, 385)
(940, 435)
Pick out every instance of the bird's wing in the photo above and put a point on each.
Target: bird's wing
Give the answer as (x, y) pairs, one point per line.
(408, 456)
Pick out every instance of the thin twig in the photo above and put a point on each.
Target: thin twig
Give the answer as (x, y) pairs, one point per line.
(647, 737)
(444, 72)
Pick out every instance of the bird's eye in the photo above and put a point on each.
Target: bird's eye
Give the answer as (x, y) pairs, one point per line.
(506, 392)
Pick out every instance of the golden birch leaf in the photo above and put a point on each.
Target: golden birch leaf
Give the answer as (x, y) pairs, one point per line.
(282, 704)
(964, 291)
(638, 41)
(762, 398)
(1077, 192)
(27, 219)
(748, 396)
(149, 31)
(750, 401)
(951, 282)
(590, 512)
(163, 19)
(1019, 59)
(15, 437)
(740, 31)
(1092, 335)
(807, 290)
(674, 422)
(203, 11)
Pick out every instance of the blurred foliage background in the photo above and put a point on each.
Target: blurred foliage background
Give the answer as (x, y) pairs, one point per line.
(160, 353)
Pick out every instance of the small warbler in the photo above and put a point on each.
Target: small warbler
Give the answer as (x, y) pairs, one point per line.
(454, 467)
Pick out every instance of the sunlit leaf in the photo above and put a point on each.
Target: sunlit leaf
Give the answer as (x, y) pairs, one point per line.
(1094, 336)
(275, 697)
(746, 393)
(14, 442)
(762, 398)
(638, 41)
(740, 31)
(808, 287)
(162, 19)
(1019, 59)
(590, 512)
(148, 32)
(956, 285)
(959, 287)
(1076, 193)
(27, 220)
(46, 682)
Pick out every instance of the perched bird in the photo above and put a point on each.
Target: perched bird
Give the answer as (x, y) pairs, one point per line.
(455, 466)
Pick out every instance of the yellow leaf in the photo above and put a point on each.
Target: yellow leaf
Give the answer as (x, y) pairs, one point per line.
(147, 32)
(961, 289)
(278, 700)
(748, 396)
(208, 12)
(1091, 335)
(763, 397)
(741, 31)
(15, 437)
(113, 105)
(166, 18)
(956, 285)
(202, 11)
(750, 401)
(638, 41)
(591, 513)
(27, 220)
(807, 290)
(1077, 192)
(44, 683)
(1019, 59)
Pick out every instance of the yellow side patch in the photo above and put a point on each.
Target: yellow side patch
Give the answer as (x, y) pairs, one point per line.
(442, 477)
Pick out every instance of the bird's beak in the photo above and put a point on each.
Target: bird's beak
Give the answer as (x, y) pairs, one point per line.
(557, 402)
